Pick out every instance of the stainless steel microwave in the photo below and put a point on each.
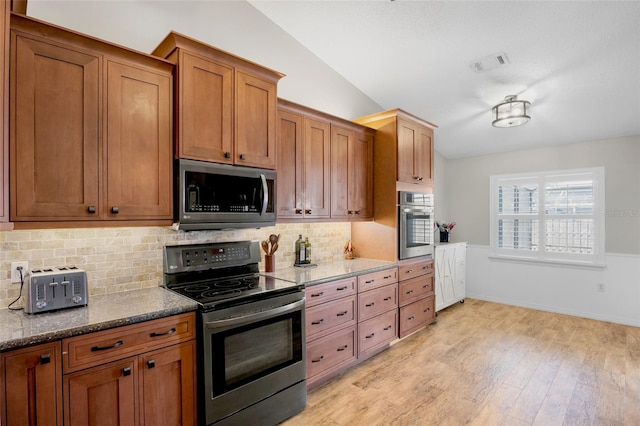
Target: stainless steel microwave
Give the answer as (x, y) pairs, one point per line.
(220, 196)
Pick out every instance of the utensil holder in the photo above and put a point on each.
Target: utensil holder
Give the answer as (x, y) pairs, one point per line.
(269, 263)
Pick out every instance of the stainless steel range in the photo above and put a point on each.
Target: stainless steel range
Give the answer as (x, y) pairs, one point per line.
(251, 357)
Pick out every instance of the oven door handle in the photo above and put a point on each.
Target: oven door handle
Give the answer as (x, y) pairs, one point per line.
(265, 194)
(255, 317)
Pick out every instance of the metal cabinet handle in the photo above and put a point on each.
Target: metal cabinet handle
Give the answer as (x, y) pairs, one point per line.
(227, 154)
(409, 292)
(427, 310)
(317, 294)
(388, 327)
(307, 211)
(411, 318)
(409, 271)
(370, 281)
(342, 348)
(92, 209)
(243, 157)
(151, 363)
(45, 359)
(341, 288)
(104, 348)
(115, 210)
(386, 299)
(126, 371)
(368, 305)
(154, 334)
(349, 211)
(370, 336)
(318, 359)
(298, 211)
(386, 277)
(357, 212)
(317, 322)
(341, 314)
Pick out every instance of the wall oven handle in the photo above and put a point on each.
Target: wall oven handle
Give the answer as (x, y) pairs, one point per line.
(255, 317)
(265, 194)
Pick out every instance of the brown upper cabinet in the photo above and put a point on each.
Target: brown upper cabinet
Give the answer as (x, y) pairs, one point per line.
(4, 115)
(304, 155)
(91, 129)
(225, 105)
(325, 166)
(407, 141)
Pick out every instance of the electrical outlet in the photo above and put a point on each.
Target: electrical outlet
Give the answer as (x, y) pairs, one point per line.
(15, 273)
(601, 287)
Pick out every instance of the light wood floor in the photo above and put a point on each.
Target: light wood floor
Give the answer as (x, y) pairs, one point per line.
(484, 363)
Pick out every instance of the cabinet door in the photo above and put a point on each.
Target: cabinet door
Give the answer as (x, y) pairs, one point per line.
(205, 110)
(407, 136)
(317, 163)
(168, 393)
(32, 380)
(255, 128)
(55, 116)
(4, 112)
(104, 395)
(423, 156)
(340, 172)
(361, 175)
(290, 165)
(139, 144)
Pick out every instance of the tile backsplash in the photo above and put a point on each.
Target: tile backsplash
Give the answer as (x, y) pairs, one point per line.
(120, 259)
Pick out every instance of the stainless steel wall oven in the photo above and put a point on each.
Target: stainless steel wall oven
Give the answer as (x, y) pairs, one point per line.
(415, 224)
(252, 354)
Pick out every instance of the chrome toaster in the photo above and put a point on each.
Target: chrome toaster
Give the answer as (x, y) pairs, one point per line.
(55, 288)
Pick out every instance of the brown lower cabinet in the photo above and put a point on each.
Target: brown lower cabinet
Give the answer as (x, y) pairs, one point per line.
(31, 387)
(140, 374)
(416, 295)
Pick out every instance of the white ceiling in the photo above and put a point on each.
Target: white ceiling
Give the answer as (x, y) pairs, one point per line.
(577, 62)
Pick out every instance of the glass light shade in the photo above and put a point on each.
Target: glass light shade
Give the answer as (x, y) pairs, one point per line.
(511, 112)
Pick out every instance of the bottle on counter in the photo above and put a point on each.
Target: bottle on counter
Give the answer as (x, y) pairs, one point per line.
(307, 254)
(300, 250)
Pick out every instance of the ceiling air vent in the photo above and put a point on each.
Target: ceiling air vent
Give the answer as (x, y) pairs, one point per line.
(490, 62)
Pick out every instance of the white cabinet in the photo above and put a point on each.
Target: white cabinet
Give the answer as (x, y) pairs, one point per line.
(450, 274)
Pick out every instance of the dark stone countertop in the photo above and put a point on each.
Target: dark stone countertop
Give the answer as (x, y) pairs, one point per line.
(18, 329)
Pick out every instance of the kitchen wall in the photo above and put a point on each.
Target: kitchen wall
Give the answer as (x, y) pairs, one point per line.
(569, 290)
(120, 259)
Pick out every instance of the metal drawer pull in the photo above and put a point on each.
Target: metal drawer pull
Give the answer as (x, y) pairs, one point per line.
(151, 363)
(317, 322)
(243, 157)
(370, 336)
(341, 314)
(427, 310)
(425, 286)
(408, 271)
(386, 299)
(104, 348)
(357, 211)
(411, 318)
(387, 328)
(126, 371)
(227, 154)
(318, 294)
(298, 211)
(154, 334)
(91, 209)
(341, 288)
(387, 277)
(318, 359)
(342, 348)
(45, 359)
(409, 292)
(115, 209)
(368, 305)
(370, 281)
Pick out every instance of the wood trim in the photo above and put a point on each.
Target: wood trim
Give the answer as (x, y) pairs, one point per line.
(396, 112)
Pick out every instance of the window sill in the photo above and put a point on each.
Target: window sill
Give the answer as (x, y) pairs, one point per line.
(548, 262)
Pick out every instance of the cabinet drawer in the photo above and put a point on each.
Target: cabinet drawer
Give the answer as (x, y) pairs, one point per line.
(416, 315)
(374, 302)
(414, 289)
(104, 346)
(322, 319)
(335, 350)
(378, 331)
(329, 291)
(377, 279)
(415, 268)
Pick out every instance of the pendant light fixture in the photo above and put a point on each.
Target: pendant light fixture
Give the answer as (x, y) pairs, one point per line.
(511, 112)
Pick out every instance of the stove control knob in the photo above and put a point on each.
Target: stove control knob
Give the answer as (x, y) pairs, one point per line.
(77, 299)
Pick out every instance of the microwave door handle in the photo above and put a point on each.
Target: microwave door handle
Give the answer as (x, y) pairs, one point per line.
(265, 194)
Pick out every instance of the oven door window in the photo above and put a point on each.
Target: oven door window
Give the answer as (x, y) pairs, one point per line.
(248, 352)
(418, 229)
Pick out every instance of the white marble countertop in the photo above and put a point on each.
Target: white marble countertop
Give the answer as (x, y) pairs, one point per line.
(329, 271)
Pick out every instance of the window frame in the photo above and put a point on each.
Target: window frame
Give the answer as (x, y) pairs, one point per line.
(542, 179)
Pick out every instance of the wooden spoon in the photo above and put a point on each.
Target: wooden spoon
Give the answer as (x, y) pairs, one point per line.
(274, 247)
(265, 246)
